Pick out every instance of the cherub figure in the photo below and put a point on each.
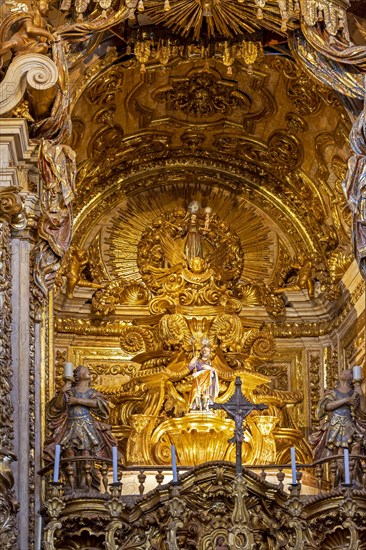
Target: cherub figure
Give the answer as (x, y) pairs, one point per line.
(304, 280)
(76, 260)
(207, 211)
(221, 543)
(26, 31)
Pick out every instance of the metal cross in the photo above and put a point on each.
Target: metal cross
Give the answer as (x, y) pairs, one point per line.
(238, 407)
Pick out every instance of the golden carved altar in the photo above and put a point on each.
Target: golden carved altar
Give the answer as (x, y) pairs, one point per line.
(186, 278)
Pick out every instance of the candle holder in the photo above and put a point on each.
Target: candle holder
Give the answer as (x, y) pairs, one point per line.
(347, 486)
(357, 374)
(174, 491)
(55, 503)
(294, 489)
(114, 505)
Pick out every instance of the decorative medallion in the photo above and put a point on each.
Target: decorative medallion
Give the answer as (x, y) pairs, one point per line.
(203, 95)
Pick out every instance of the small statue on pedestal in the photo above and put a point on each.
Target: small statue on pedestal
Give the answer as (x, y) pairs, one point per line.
(77, 418)
(342, 415)
(205, 387)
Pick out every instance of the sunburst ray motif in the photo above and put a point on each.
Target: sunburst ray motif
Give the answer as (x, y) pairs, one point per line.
(225, 18)
(131, 219)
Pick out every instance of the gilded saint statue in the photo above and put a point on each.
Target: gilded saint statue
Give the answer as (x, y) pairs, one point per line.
(342, 415)
(78, 421)
(205, 387)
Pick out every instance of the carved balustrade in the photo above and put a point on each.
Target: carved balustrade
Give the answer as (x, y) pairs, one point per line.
(319, 477)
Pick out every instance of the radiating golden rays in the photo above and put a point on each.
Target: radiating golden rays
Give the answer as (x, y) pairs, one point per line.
(226, 18)
(138, 212)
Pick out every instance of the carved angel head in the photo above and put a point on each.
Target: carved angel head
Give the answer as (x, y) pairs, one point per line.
(197, 265)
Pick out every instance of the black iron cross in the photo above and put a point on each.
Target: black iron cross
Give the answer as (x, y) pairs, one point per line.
(238, 407)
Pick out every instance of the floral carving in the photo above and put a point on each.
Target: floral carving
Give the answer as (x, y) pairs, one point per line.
(8, 507)
(284, 151)
(6, 409)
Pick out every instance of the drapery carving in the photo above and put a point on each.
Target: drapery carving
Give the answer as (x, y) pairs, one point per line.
(58, 170)
(327, 69)
(354, 187)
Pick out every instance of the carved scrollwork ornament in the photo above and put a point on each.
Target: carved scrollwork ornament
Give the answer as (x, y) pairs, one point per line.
(203, 95)
(174, 331)
(228, 330)
(304, 95)
(32, 70)
(8, 504)
(135, 339)
(12, 208)
(259, 346)
(241, 535)
(285, 151)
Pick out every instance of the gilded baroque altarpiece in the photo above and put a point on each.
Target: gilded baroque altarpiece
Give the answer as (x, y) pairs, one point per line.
(174, 175)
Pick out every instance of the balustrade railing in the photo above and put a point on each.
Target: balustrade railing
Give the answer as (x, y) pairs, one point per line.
(78, 474)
